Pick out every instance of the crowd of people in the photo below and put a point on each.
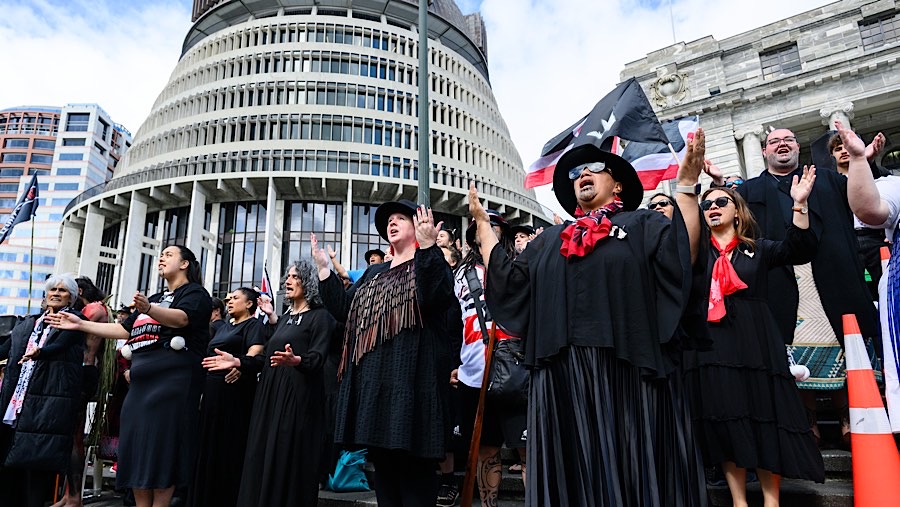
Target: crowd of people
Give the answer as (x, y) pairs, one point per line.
(653, 342)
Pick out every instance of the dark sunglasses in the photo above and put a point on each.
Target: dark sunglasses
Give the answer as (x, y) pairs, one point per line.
(662, 203)
(735, 183)
(594, 167)
(720, 202)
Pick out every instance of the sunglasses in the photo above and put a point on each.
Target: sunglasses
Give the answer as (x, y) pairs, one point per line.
(734, 184)
(662, 203)
(720, 202)
(594, 167)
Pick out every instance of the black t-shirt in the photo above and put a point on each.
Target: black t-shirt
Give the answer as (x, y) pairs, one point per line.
(238, 338)
(191, 298)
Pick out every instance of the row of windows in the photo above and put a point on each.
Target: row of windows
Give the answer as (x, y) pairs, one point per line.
(320, 161)
(36, 158)
(21, 292)
(19, 171)
(39, 144)
(337, 94)
(881, 31)
(286, 33)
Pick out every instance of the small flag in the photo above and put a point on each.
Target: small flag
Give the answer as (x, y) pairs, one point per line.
(265, 287)
(653, 161)
(625, 112)
(26, 208)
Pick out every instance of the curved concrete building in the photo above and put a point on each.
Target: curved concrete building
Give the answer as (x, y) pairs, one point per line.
(286, 117)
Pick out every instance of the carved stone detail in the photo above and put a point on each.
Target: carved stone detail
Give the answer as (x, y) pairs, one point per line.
(669, 90)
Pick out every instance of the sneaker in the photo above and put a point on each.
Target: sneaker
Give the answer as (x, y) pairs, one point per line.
(447, 495)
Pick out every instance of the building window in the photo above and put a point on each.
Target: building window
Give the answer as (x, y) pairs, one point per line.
(303, 218)
(12, 171)
(881, 31)
(71, 156)
(73, 141)
(44, 144)
(242, 230)
(68, 171)
(105, 270)
(77, 122)
(780, 61)
(365, 236)
(41, 159)
(9, 187)
(146, 271)
(66, 186)
(14, 157)
(176, 227)
(15, 143)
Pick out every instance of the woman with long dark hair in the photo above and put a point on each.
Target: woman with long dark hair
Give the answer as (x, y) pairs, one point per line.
(228, 402)
(39, 399)
(167, 336)
(745, 402)
(281, 467)
(395, 367)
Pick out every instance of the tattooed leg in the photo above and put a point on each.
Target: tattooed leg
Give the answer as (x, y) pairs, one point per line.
(489, 475)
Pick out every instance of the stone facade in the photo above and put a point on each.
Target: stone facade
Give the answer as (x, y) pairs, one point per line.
(844, 72)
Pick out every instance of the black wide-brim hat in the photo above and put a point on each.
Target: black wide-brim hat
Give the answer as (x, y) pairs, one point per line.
(373, 251)
(384, 212)
(496, 219)
(524, 229)
(632, 189)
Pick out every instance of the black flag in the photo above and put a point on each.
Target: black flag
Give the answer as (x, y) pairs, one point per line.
(624, 112)
(26, 207)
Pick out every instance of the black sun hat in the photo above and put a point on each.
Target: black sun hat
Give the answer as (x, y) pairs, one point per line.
(369, 253)
(621, 171)
(496, 219)
(384, 212)
(523, 228)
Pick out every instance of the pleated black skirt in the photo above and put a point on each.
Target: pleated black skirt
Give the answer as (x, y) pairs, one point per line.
(601, 434)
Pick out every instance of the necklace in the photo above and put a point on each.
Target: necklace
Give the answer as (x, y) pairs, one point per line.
(781, 178)
(298, 314)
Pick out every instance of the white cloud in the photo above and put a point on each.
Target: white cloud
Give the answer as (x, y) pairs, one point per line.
(113, 53)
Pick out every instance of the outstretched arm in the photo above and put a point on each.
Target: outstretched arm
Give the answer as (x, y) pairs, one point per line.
(862, 194)
(70, 321)
(688, 175)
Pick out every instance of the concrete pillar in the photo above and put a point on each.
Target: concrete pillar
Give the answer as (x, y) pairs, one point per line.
(842, 112)
(195, 223)
(116, 298)
(66, 260)
(131, 248)
(751, 142)
(90, 247)
(274, 232)
(275, 266)
(209, 275)
(346, 256)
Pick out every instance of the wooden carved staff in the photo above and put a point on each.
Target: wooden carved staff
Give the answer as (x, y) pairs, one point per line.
(472, 466)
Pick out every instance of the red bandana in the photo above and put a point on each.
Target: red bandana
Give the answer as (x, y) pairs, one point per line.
(725, 281)
(580, 238)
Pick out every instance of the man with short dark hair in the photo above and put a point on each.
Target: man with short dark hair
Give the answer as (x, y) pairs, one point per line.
(832, 284)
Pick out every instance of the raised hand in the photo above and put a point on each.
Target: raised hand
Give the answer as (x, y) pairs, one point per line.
(264, 303)
(852, 143)
(875, 147)
(63, 320)
(713, 171)
(801, 187)
(426, 230)
(331, 253)
(694, 161)
(141, 303)
(318, 254)
(475, 208)
(221, 361)
(286, 358)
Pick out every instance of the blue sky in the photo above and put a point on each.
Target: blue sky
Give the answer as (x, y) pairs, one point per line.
(119, 54)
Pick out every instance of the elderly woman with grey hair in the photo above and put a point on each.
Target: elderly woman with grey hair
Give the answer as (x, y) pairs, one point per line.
(39, 399)
(284, 447)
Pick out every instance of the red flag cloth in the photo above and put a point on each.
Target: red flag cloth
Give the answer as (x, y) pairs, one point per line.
(725, 281)
(581, 236)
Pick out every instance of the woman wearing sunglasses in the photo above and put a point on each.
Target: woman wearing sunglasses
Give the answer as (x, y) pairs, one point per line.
(662, 203)
(745, 403)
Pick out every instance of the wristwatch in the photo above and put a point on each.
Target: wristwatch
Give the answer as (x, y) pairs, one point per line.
(688, 189)
(803, 210)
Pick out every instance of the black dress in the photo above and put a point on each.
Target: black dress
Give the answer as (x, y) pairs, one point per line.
(396, 397)
(159, 426)
(286, 428)
(225, 418)
(607, 419)
(744, 400)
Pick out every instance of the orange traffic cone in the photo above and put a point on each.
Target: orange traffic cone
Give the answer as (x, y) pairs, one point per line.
(876, 462)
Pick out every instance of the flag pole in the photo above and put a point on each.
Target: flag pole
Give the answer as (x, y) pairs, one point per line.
(674, 153)
(31, 265)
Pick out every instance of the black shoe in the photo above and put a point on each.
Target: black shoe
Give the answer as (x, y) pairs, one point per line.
(447, 495)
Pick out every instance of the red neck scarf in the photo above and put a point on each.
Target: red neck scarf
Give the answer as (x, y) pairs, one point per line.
(725, 281)
(580, 238)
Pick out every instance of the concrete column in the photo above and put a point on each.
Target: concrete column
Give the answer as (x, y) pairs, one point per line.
(751, 142)
(116, 298)
(274, 232)
(209, 276)
(275, 266)
(131, 248)
(842, 112)
(347, 230)
(195, 220)
(66, 261)
(90, 247)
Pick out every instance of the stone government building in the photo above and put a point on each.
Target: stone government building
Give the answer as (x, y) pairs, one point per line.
(286, 117)
(802, 73)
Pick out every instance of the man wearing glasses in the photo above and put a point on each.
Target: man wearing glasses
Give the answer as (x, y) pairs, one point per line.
(832, 284)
